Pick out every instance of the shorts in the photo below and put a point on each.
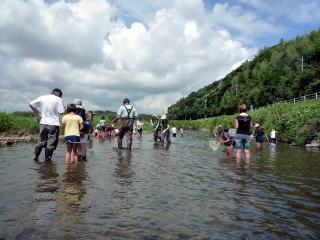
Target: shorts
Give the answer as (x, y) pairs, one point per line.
(139, 130)
(174, 134)
(72, 139)
(259, 139)
(242, 141)
(84, 137)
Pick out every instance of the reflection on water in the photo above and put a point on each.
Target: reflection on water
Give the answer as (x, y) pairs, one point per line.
(123, 171)
(182, 190)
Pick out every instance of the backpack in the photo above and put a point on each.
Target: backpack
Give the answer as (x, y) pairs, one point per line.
(86, 125)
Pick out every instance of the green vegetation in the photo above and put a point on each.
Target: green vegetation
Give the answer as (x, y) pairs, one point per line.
(273, 75)
(299, 123)
(19, 121)
(30, 123)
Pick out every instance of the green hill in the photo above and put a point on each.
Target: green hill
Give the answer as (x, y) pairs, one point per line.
(275, 74)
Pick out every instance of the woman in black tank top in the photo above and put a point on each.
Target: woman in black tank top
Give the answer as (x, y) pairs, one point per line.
(243, 123)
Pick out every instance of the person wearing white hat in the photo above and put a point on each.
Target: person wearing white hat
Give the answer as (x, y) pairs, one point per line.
(85, 131)
(165, 135)
(259, 136)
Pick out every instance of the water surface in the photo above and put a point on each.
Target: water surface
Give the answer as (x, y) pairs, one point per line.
(179, 191)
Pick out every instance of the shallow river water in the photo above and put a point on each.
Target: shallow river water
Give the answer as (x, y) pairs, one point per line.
(181, 191)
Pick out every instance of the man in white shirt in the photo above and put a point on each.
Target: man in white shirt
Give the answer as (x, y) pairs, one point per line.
(127, 114)
(48, 108)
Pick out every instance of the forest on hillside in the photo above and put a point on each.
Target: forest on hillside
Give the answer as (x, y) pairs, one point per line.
(275, 74)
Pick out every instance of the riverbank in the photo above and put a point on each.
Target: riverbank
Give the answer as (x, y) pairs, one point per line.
(296, 123)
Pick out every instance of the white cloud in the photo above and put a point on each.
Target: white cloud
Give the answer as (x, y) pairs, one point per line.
(296, 11)
(81, 48)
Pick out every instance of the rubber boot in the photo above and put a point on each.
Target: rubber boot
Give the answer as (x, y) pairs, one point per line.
(37, 151)
(84, 159)
(48, 154)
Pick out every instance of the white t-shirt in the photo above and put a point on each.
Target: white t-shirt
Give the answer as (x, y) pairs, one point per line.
(273, 134)
(50, 106)
(174, 130)
(139, 124)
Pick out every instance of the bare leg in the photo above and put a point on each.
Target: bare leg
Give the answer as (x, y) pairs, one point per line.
(248, 156)
(68, 153)
(239, 155)
(75, 152)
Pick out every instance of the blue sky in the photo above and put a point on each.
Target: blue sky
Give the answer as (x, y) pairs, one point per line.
(153, 52)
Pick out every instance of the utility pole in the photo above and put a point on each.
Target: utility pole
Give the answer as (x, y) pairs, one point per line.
(302, 62)
(205, 108)
(237, 88)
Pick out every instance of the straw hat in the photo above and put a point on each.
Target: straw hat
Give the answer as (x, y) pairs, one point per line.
(163, 117)
(256, 125)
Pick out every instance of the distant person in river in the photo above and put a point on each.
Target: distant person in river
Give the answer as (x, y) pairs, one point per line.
(174, 131)
(226, 141)
(181, 132)
(165, 135)
(72, 124)
(217, 131)
(259, 135)
(156, 124)
(273, 136)
(127, 113)
(85, 131)
(243, 124)
(102, 124)
(139, 126)
(48, 108)
(109, 130)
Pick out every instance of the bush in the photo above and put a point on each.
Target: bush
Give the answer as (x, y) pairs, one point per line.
(6, 122)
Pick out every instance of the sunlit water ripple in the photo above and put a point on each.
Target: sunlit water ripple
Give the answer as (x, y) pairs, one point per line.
(181, 191)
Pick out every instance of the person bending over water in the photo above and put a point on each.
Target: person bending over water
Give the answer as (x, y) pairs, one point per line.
(72, 123)
(127, 114)
(259, 135)
(243, 124)
(156, 124)
(165, 135)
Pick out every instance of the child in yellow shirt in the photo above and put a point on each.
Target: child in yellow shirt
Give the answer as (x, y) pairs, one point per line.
(72, 124)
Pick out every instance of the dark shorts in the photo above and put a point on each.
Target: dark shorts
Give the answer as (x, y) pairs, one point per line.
(72, 139)
(174, 134)
(139, 130)
(259, 139)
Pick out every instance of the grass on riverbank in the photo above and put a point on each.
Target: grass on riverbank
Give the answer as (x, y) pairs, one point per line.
(299, 123)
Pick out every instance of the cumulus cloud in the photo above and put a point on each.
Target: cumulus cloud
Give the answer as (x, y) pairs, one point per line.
(91, 53)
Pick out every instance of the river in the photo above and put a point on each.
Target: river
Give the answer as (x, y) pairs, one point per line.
(179, 191)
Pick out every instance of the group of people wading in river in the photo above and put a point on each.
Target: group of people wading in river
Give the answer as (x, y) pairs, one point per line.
(77, 124)
(239, 136)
